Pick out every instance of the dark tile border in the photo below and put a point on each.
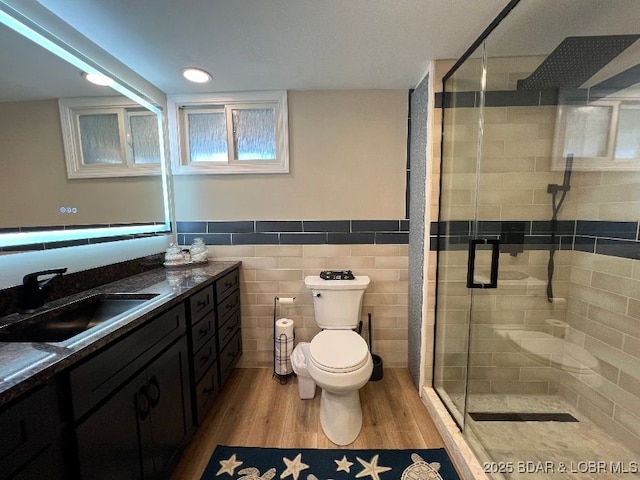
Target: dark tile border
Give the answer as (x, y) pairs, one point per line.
(619, 239)
(295, 232)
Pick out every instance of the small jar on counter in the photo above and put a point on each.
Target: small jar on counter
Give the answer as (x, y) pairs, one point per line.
(173, 255)
(198, 251)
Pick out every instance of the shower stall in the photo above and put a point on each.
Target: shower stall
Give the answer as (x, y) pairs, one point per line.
(537, 316)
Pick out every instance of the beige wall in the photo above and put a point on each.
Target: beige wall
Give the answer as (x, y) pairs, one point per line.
(347, 161)
(34, 184)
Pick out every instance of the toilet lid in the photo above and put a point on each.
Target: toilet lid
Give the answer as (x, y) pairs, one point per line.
(338, 351)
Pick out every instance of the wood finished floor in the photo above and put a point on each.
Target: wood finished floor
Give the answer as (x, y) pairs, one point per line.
(256, 410)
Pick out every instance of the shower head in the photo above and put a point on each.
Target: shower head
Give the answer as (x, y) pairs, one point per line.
(575, 61)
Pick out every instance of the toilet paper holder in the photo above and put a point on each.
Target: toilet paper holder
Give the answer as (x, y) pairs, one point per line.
(282, 344)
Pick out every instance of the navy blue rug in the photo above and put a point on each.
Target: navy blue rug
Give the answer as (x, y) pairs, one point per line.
(249, 463)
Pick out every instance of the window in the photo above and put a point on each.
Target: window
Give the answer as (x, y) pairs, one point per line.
(602, 135)
(109, 137)
(232, 133)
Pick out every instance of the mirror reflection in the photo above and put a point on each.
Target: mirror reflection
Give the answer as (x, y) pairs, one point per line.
(38, 190)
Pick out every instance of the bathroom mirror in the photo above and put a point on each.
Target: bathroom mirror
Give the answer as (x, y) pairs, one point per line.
(40, 205)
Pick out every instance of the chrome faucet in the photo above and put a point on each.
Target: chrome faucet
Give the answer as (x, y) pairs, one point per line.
(35, 291)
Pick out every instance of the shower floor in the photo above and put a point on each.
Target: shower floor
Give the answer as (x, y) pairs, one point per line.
(546, 450)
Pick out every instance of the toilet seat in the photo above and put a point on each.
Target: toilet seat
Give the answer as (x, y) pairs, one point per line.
(338, 351)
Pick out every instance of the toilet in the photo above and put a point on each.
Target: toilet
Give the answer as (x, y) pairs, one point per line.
(339, 359)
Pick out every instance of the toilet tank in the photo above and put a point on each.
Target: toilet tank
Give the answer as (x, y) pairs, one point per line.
(337, 303)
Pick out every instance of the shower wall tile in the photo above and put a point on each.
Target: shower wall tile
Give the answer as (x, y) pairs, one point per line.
(596, 304)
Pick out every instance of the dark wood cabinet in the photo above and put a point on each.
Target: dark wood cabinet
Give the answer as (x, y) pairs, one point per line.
(228, 323)
(215, 341)
(127, 410)
(30, 437)
(140, 428)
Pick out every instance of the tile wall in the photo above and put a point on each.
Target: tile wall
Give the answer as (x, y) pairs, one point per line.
(279, 270)
(595, 313)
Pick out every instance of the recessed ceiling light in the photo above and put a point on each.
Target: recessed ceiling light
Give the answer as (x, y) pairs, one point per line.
(98, 79)
(196, 75)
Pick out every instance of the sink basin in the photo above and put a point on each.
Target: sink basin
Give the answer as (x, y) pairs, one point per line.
(64, 322)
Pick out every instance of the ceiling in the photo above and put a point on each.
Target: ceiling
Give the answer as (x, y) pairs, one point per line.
(280, 44)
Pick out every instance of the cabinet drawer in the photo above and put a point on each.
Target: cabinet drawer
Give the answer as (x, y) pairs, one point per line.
(26, 428)
(228, 328)
(204, 358)
(104, 372)
(200, 304)
(206, 391)
(229, 356)
(203, 331)
(227, 284)
(228, 305)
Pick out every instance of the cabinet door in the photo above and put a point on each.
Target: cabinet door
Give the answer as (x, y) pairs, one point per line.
(108, 442)
(168, 427)
(30, 437)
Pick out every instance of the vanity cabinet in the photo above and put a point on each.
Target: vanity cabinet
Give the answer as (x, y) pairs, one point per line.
(215, 342)
(30, 441)
(131, 403)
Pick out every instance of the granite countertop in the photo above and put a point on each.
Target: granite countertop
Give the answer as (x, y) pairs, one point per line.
(25, 365)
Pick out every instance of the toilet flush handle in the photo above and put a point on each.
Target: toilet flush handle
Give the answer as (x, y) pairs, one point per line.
(316, 294)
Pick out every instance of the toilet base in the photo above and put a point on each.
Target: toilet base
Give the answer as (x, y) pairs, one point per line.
(341, 416)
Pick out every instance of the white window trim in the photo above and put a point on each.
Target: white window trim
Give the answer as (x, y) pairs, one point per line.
(608, 162)
(76, 168)
(180, 164)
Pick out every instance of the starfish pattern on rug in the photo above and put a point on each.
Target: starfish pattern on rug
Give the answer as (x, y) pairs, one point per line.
(371, 468)
(253, 473)
(344, 465)
(294, 467)
(228, 466)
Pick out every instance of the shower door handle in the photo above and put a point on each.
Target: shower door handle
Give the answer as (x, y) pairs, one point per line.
(495, 255)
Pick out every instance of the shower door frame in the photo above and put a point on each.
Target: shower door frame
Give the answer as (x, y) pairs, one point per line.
(479, 42)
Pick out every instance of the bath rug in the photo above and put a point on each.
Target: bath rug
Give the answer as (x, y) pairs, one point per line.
(249, 463)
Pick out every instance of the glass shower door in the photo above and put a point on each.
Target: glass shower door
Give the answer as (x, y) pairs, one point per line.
(458, 207)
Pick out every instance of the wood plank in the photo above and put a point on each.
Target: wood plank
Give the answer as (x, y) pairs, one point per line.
(256, 410)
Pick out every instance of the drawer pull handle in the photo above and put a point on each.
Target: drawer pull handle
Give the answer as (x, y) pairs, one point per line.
(143, 403)
(228, 284)
(207, 391)
(153, 392)
(232, 354)
(203, 303)
(203, 331)
(205, 358)
(229, 306)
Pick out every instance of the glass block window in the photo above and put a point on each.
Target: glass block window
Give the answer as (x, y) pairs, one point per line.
(234, 133)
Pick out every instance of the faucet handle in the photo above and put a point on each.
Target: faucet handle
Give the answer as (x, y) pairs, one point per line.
(34, 290)
(30, 277)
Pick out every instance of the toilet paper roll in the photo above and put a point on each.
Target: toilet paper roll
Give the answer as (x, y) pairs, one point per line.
(286, 300)
(284, 326)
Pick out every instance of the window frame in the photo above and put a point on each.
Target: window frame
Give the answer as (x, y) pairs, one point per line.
(178, 137)
(608, 162)
(70, 111)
